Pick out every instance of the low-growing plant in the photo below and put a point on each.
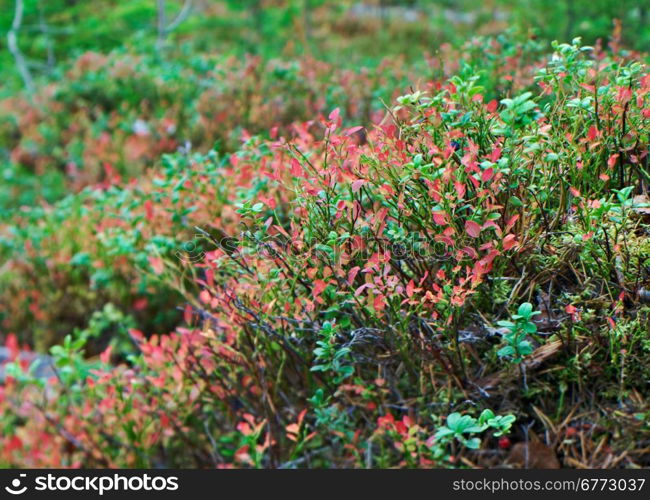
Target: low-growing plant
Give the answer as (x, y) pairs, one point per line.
(349, 272)
(517, 346)
(330, 357)
(466, 429)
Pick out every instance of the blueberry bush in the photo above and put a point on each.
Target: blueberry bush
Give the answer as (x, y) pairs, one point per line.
(278, 261)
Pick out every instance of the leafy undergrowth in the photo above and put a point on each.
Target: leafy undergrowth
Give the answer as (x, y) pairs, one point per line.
(117, 113)
(113, 115)
(461, 284)
(65, 261)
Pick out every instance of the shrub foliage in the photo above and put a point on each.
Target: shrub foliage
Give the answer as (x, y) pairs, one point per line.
(395, 293)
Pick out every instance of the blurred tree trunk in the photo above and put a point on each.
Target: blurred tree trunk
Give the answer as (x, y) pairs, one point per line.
(163, 28)
(12, 42)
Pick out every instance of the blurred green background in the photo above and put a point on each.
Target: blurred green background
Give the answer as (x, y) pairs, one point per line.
(345, 32)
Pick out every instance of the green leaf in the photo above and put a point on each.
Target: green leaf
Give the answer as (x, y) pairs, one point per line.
(525, 348)
(486, 415)
(453, 420)
(506, 351)
(530, 327)
(507, 420)
(443, 432)
(515, 202)
(473, 444)
(525, 310)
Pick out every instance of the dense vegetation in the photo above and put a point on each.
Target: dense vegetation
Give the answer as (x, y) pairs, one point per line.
(241, 249)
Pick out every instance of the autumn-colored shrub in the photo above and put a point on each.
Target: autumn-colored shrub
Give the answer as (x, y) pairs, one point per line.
(65, 261)
(120, 112)
(117, 113)
(388, 296)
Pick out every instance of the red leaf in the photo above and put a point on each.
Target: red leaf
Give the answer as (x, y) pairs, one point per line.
(388, 188)
(487, 174)
(511, 222)
(187, 314)
(440, 218)
(495, 155)
(353, 274)
(156, 264)
(612, 160)
(460, 189)
(136, 334)
(296, 168)
(356, 185)
(353, 130)
(148, 209)
(409, 288)
(205, 297)
(473, 229)
(105, 356)
(509, 241)
(471, 253)
(11, 343)
(379, 303)
(319, 286)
